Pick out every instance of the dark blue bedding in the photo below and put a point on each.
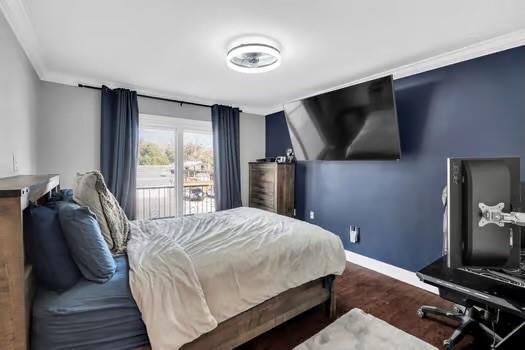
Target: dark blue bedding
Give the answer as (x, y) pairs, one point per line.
(89, 316)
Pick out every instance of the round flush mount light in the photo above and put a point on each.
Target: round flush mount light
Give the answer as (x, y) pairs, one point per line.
(253, 58)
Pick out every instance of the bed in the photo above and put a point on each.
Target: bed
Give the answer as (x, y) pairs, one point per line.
(220, 265)
(89, 316)
(295, 277)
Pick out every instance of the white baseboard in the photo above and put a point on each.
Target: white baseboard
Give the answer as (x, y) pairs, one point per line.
(389, 270)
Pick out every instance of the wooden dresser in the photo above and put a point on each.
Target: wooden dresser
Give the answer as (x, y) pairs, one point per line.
(16, 278)
(272, 187)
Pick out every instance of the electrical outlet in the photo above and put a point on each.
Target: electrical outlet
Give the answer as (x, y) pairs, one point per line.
(312, 215)
(294, 212)
(354, 234)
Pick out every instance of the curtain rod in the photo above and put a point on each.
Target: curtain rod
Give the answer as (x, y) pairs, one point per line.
(153, 97)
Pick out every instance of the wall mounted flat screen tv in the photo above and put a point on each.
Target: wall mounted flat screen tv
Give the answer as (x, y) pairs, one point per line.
(357, 122)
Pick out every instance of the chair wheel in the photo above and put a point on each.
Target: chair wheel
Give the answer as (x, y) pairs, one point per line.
(458, 309)
(420, 313)
(447, 345)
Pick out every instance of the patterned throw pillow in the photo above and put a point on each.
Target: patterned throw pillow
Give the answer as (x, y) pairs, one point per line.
(86, 195)
(92, 192)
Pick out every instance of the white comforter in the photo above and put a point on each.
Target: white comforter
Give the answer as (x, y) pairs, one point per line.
(188, 274)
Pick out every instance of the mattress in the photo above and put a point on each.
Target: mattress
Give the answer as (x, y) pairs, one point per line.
(189, 274)
(89, 316)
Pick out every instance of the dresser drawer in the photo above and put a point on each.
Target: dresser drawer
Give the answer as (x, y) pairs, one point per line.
(262, 199)
(262, 206)
(262, 187)
(262, 174)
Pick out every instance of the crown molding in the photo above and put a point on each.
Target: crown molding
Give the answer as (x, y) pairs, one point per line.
(483, 48)
(17, 17)
(480, 49)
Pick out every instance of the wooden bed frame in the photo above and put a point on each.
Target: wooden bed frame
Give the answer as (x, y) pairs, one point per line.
(271, 313)
(17, 284)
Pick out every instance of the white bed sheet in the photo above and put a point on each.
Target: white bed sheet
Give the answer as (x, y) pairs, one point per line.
(188, 274)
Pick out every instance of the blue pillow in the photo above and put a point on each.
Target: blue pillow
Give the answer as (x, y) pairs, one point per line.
(57, 198)
(47, 249)
(85, 240)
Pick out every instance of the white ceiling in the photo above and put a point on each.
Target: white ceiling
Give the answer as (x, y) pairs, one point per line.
(178, 48)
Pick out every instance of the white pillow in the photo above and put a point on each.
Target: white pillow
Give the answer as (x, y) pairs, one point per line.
(86, 195)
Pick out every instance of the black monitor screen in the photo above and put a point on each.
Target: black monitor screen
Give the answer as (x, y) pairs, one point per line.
(490, 182)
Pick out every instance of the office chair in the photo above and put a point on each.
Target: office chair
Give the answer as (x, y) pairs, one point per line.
(470, 317)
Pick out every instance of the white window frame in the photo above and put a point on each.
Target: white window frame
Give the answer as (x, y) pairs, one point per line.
(179, 126)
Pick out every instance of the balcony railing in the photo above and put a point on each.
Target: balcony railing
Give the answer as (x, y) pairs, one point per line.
(159, 202)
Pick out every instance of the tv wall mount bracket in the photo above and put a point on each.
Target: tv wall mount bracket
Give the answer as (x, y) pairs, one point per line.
(495, 215)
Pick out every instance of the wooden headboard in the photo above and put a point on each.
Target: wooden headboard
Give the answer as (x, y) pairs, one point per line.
(16, 279)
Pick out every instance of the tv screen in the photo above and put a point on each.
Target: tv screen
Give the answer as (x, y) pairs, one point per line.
(353, 123)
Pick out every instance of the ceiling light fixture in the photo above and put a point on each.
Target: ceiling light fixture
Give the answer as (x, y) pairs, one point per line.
(253, 58)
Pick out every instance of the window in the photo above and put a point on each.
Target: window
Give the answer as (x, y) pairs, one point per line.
(175, 167)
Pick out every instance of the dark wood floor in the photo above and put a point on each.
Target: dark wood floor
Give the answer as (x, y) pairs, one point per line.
(388, 299)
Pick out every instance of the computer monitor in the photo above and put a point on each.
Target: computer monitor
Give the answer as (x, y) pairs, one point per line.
(489, 181)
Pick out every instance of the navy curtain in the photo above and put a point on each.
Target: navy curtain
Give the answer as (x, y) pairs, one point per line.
(119, 145)
(225, 125)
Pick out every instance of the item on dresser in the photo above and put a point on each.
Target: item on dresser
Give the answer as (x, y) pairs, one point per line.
(266, 160)
(272, 187)
(290, 155)
(280, 159)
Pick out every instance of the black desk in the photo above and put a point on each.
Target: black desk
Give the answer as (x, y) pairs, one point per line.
(469, 289)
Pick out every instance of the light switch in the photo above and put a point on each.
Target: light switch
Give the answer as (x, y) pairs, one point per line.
(354, 234)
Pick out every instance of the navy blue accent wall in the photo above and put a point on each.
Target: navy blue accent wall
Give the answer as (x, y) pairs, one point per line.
(474, 108)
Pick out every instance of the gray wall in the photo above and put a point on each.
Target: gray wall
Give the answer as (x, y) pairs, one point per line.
(18, 105)
(68, 136)
(55, 128)
(69, 130)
